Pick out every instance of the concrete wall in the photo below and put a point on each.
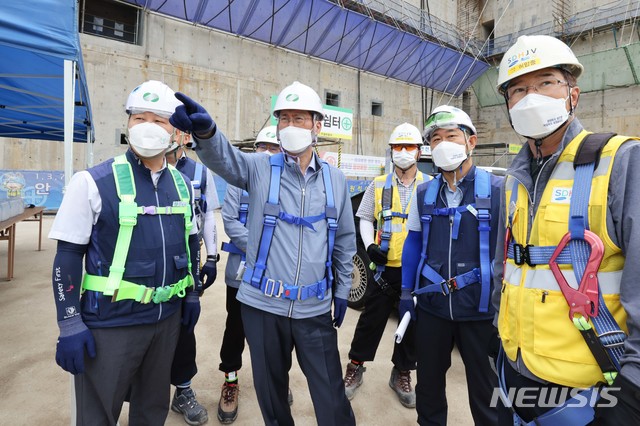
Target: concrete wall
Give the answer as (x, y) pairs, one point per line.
(233, 78)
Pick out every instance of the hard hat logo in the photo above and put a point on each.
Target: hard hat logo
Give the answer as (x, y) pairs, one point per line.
(270, 135)
(292, 97)
(521, 57)
(151, 97)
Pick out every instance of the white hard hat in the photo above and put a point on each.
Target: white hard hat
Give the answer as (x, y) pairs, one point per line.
(405, 134)
(447, 117)
(267, 135)
(298, 96)
(152, 96)
(533, 53)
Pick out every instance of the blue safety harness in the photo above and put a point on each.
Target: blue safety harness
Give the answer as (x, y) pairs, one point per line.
(272, 213)
(606, 342)
(481, 210)
(243, 212)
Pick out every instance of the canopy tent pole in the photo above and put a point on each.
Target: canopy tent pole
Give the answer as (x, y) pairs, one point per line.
(69, 106)
(89, 148)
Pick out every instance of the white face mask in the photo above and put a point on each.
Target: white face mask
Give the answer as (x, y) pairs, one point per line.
(294, 140)
(404, 159)
(449, 155)
(149, 139)
(536, 116)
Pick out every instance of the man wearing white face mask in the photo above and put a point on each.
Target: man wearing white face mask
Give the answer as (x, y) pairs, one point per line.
(446, 264)
(571, 199)
(301, 233)
(387, 202)
(130, 219)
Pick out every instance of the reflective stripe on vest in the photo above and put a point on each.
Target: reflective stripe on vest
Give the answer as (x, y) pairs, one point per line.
(534, 315)
(128, 212)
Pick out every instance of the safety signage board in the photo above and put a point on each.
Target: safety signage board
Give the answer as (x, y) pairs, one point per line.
(356, 165)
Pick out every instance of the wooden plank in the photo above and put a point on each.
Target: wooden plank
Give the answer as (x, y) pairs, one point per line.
(8, 233)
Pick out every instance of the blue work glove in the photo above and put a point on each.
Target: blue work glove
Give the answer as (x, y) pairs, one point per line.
(339, 311)
(70, 348)
(191, 117)
(190, 310)
(209, 272)
(376, 255)
(406, 304)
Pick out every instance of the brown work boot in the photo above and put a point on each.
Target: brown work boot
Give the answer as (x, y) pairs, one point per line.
(353, 379)
(228, 405)
(400, 382)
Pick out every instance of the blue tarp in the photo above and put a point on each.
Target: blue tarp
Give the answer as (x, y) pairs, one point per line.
(36, 36)
(323, 29)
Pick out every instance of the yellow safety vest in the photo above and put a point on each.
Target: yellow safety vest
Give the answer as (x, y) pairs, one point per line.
(398, 224)
(534, 315)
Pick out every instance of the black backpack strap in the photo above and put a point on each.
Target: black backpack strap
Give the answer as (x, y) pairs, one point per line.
(590, 149)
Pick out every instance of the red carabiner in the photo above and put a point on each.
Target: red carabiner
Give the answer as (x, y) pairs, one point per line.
(584, 300)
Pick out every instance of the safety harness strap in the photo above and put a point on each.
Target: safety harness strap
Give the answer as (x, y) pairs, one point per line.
(271, 213)
(482, 190)
(611, 336)
(137, 292)
(243, 212)
(331, 214)
(573, 411)
(128, 212)
(481, 211)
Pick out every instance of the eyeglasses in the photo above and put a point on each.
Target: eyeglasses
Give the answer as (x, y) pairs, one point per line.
(544, 87)
(398, 148)
(297, 120)
(268, 147)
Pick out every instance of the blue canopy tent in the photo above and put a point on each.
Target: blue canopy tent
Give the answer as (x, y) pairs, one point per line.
(324, 29)
(43, 88)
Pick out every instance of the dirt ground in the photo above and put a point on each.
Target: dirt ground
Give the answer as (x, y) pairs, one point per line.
(36, 391)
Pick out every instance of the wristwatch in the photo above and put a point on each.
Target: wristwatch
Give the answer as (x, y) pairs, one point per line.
(214, 257)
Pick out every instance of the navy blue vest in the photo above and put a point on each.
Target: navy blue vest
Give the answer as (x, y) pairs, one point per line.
(157, 254)
(460, 305)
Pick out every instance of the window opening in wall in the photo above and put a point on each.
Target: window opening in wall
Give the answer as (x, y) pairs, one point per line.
(331, 98)
(489, 35)
(376, 108)
(110, 19)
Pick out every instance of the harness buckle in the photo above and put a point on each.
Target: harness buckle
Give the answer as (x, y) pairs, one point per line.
(161, 294)
(448, 286)
(270, 288)
(521, 254)
(584, 300)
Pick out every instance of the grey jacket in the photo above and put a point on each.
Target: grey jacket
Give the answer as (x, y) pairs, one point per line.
(298, 254)
(236, 231)
(623, 212)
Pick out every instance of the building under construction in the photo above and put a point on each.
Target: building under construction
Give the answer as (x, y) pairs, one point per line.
(384, 61)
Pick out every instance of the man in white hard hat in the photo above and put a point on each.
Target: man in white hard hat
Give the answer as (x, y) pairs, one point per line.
(234, 215)
(300, 233)
(184, 367)
(387, 202)
(446, 265)
(569, 311)
(130, 219)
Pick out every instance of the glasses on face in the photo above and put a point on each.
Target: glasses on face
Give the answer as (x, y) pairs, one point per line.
(262, 147)
(398, 148)
(296, 120)
(545, 86)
